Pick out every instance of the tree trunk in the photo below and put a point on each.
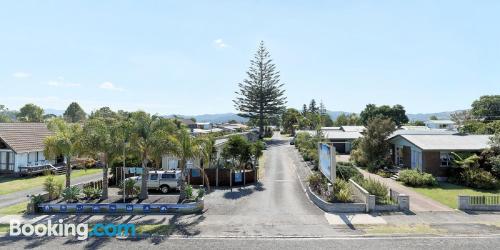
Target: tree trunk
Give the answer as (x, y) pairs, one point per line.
(182, 188)
(68, 171)
(206, 180)
(261, 126)
(105, 181)
(144, 180)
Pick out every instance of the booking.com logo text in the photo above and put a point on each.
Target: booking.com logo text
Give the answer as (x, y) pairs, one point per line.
(81, 230)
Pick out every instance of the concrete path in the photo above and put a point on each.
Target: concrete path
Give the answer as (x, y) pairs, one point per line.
(21, 196)
(418, 202)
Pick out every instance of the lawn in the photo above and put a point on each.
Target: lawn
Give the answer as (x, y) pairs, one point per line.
(14, 184)
(446, 193)
(19, 208)
(4, 228)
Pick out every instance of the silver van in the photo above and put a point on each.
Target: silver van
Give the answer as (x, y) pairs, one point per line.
(164, 181)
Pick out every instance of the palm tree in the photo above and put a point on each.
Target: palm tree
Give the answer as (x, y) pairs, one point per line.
(464, 161)
(104, 137)
(189, 148)
(207, 153)
(65, 141)
(147, 134)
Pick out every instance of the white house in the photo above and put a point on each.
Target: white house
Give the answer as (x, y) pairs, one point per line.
(21, 147)
(172, 162)
(440, 124)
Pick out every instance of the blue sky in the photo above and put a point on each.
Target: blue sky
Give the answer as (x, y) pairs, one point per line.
(186, 57)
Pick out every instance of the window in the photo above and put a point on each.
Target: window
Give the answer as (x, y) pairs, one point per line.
(168, 176)
(153, 177)
(445, 159)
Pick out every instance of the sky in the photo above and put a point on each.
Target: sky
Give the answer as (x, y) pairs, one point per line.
(187, 57)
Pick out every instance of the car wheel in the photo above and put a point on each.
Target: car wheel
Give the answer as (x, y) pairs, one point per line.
(164, 189)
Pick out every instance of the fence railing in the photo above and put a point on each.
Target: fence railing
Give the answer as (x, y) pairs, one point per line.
(484, 200)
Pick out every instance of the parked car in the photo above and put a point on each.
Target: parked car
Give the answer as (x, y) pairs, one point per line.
(164, 181)
(292, 141)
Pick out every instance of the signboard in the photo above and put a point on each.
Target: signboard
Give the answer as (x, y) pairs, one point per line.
(238, 177)
(327, 163)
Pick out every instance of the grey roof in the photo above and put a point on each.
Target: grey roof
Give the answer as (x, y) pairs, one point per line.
(333, 134)
(330, 128)
(353, 128)
(423, 132)
(449, 142)
(24, 137)
(440, 121)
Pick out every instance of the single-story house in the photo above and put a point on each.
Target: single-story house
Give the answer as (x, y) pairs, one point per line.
(172, 162)
(430, 153)
(440, 124)
(342, 140)
(204, 125)
(21, 147)
(359, 129)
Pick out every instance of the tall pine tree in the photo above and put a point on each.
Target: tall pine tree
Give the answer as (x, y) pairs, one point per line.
(261, 95)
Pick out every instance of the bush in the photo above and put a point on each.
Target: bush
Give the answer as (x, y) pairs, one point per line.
(341, 190)
(71, 194)
(478, 178)
(52, 187)
(383, 173)
(347, 172)
(316, 182)
(416, 179)
(92, 193)
(189, 192)
(345, 163)
(201, 193)
(129, 187)
(375, 187)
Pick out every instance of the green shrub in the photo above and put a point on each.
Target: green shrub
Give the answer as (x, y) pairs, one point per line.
(383, 173)
(71, 194)
(347, 172)
(92, 193)
(189, 192)
(129, 187)
(478, 178)
(201, 193)
(316, 182)
(341, 190)
(52, 187)
(416, 179)
(345, 163)
(375, 187)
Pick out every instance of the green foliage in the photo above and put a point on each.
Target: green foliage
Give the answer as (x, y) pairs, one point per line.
(52, 187)
(70, 194)
(347, 119)
(261, 95)
(347, 172)
(383, 173)
(30, 113)
(477, 178)
(37, 200)
(5, 114)
(372, 150)
(375, 187)
(342, 191)
(129, 187)
(316, 182)
(480, 127)
(92, 193)
(416, 123)
(494, 161)
(416, 179)
(487, 107)
(74, 113)
(465, 160)
(396, 113)
(189, 192)
(201, 193)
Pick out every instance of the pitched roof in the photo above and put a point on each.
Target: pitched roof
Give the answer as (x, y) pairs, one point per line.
(449, 142)
(24, 137)
(353, 128)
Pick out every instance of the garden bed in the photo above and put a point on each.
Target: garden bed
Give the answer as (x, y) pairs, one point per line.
(347, 207)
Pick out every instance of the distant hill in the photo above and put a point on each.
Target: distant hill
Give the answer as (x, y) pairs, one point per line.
(53, 111)
(214, 118)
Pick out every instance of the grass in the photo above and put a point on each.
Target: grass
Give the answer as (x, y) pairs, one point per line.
(446, 193)
(14, 184)
(403, 229)
(155, 229)
(4, 228)
(19, 208)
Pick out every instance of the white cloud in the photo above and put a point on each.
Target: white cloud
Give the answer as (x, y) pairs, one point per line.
(61, 83)
(21, 74)
(110, 86)
(219, 43)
